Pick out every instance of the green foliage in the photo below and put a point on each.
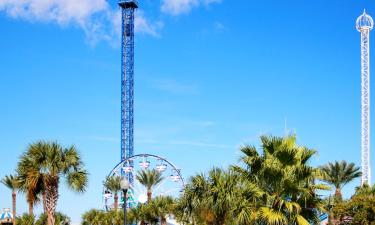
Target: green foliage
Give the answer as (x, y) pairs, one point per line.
(93, 217)
(11, 182)
(213, 198)
(42, 167)
(338, 174)
(31, 181)
(275, 187)
(26, 219)
(360, 209)
(286, 179)
(149, 179)
(60, 219)
(154, 211)
(113, 184)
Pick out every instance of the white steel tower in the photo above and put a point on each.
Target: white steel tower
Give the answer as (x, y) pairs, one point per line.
(364, 25)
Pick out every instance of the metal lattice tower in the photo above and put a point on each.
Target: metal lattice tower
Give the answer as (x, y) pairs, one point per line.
(364, 25)
(127, 80)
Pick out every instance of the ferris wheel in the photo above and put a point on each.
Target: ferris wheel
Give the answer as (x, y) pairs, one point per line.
(172, 183)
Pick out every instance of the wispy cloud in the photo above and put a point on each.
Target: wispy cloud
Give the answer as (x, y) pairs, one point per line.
(200, 144)
(143, 25)
(193, 143)
(104, 139)
(172, 143)
(61, 12)
(177, 7)
(174, 86)
(219, 27)
(98, 20)
(95, 17)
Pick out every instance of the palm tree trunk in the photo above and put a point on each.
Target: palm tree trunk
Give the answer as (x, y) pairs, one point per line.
(14, 199)
(338, 195)
(330, 217)
(149, 195)
(31, 208)
(116, 201)
(44, 202)
(163, 221)
(51, 202)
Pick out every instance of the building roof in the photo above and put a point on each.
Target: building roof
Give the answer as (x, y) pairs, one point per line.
(6, 215)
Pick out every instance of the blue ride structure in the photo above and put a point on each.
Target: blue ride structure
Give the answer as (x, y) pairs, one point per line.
(128, 8)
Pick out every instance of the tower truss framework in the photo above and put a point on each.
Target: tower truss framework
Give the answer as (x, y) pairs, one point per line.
(128, 8)
(364, 26)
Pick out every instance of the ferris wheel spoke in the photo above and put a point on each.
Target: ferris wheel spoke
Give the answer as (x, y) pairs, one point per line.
(138, 188)
(160, 185)
(170, 191)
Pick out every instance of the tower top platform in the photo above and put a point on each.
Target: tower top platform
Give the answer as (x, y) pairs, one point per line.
(128, 3)
(364, 22)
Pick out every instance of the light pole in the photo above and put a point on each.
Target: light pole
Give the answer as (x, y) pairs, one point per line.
(125, 187)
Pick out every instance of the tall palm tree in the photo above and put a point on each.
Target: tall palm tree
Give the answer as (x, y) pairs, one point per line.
(51, 162)
(31, 182)
(12, 183)
(113, 184)
(286, 179)
(338, 174)
(149, 179)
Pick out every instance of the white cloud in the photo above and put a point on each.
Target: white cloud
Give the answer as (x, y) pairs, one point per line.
(200, 144)
(177, 7)
(174, 86)
(142, 25)
(59, 11)
(94, 17)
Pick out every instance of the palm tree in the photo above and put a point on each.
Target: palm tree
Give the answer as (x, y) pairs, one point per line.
(31, 182)
(134, 215)
(60, 219)
(115, 217)
(113, 184)
(338, 174)
(50, 163)
(365, 190)
(149, 179)
(163, 206)
(26, 219)
(93, 217)
(286, 180)
(12, 183)
(212, 199)
(147, 214)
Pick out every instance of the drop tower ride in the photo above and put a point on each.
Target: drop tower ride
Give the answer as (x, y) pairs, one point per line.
(364, 25)
(128, 8)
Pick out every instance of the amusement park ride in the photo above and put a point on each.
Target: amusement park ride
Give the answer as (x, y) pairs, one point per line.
(364, 25)
(130, 164)
(173, 182)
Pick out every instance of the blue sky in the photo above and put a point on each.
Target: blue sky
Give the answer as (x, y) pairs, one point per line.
(210, 76)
